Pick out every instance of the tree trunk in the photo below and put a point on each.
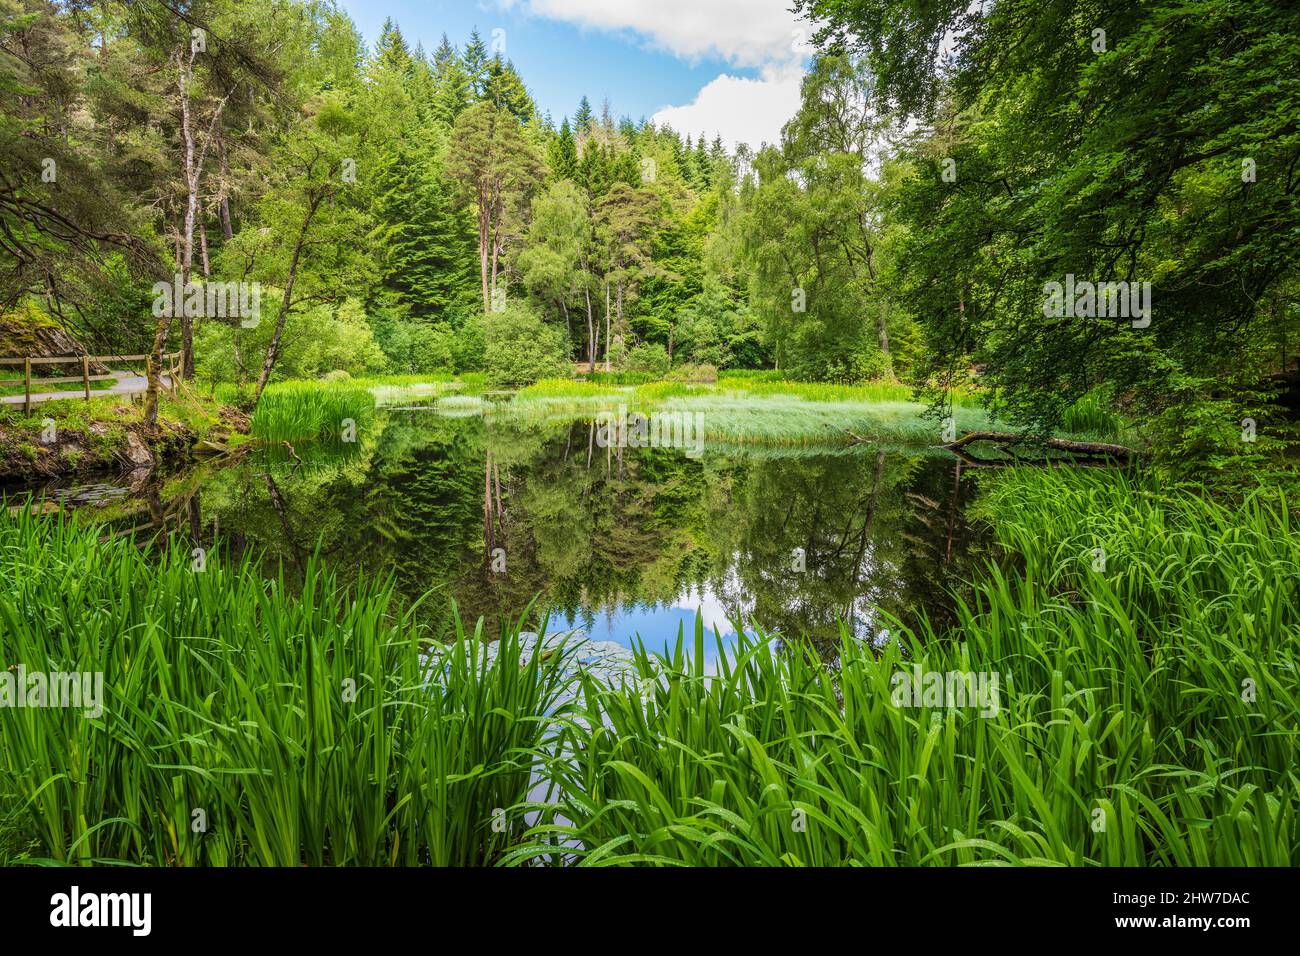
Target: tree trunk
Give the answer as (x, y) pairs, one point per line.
(194, 158)
(241, 370)
(153, 370)
(273, 348)
(591, 333)
(483, 258)
(1088, 449)
(191, 208)
(882, 328)
(223, 206)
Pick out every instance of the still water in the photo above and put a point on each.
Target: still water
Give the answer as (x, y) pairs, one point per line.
(624, 543)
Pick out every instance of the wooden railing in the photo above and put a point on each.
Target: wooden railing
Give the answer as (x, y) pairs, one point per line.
(172, 360)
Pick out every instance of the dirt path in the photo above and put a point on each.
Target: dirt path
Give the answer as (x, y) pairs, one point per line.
(128, 383)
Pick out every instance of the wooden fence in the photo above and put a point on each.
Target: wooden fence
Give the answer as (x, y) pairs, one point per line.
(172, 370)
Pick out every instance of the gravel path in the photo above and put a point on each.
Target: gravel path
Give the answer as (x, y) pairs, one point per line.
(128, 383)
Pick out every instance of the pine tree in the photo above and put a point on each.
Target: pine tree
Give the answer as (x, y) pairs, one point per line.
(475, 63)
(451, 86)
(563, 153)
(430, 244)
(444, 55)
(422, 84)
(593, 170)
(504, 89)
(627, 168)
(703, 168)
(391, 50)
(583, 117)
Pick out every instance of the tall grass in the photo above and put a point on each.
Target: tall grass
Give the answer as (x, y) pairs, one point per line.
(619, 378)
(243, 725)
(779, 419)
(741, 408)
(878, 391)
(1092, 414)
(1149, 713)
(565, 388)
(305, 411)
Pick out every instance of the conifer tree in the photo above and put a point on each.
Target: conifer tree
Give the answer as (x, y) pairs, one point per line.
(475, 63)
(562, 153)
(583, 117)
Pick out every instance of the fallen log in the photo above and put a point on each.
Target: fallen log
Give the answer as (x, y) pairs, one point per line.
(1088, 452)
(1090, 448)
(970, 461)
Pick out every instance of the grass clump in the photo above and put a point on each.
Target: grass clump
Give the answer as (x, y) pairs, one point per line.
(311, 411)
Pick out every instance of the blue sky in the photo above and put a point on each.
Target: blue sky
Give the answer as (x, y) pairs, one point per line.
(729, 67)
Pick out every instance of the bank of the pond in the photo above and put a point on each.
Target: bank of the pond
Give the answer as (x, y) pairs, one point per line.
(108, 433)
(737, 409)
(1145, 711)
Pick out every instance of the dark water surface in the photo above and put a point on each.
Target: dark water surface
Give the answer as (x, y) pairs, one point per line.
(619, 542)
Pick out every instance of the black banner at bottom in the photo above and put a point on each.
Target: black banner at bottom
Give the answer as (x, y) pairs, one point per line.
(339, 906)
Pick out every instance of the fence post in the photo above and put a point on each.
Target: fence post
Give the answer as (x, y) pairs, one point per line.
(27, 385)
(85, 374)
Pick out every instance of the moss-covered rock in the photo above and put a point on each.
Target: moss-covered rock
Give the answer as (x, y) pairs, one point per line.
(28, 332)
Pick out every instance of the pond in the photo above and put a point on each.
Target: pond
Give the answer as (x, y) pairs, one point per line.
(493, 511)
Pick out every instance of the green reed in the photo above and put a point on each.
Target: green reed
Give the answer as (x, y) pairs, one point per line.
(245, 726)
(1149, 712)
(311, 411)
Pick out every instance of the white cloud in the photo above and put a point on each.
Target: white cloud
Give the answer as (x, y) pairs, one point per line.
(707, 605)
(740, 109)
(742, 32)
(749, 34)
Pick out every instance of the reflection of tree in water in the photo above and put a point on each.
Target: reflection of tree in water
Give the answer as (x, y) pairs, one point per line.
(593, 528)
(405, 508)
(586, 531)
(865, 526)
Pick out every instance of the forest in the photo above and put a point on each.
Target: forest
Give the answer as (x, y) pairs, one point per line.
(319, 360)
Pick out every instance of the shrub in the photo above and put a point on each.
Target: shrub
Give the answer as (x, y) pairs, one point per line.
(414, 347)
(616, 353)
(468, 348)
(649, 357)
(521, 348)
(703, 374)
(316, 340)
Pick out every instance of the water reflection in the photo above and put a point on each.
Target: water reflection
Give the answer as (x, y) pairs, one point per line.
(617, 541)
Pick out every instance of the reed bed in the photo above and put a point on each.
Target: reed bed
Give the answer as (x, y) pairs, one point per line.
(789, 420)
(242, 725)
(737, 410)
(1093, 415)
(311, 411)
(1149, 713)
